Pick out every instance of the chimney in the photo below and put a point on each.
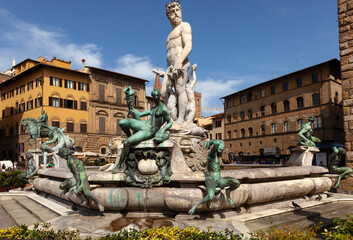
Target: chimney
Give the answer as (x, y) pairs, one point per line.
(83, 63)
(13, 62)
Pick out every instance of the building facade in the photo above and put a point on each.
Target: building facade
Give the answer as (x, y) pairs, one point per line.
(265, 119)
(345, 21)
(88, 103)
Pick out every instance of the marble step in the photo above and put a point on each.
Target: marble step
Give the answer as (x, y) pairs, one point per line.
(36, 209)
(18, 213)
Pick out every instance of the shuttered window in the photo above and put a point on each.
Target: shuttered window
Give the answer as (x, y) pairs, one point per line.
(83, 128)
(118, 96)
(118, 129)
(101, 93)
(83, 106)
(102, 125)
(70, 127)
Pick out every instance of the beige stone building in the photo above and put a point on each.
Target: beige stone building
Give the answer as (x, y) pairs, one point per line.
(345, 21)
(265, 119)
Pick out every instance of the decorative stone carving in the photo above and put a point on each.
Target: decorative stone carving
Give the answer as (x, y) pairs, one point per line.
(302, 156)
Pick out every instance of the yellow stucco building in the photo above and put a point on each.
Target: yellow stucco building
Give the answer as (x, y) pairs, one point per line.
(41, 85)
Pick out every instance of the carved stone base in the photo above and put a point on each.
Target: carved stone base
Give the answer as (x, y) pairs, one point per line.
(302, 156)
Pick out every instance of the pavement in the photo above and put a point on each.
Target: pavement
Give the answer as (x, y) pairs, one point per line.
(26, 207)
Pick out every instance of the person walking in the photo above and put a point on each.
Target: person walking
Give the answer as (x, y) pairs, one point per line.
(3, 168)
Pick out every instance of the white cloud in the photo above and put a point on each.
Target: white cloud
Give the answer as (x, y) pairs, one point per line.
(21, 40)
(213, 89)
(135, 66)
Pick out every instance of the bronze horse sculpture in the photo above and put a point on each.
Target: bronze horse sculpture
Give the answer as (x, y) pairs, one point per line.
(54, 134)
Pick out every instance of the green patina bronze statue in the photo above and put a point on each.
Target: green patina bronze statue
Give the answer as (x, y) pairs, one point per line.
(32, 167)
(306, 139)
(333, 161)
(79, 182)
(154, 128)
(214, 182)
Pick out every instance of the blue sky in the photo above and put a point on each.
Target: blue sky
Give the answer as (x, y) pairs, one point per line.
(236, 44)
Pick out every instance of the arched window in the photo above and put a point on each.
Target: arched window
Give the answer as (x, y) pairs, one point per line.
(229, 134)
(235, 134)
(242, 132)
(274, 127)
(242, 115)
(316, 99)
(273, 108)
(250, 114)
(229, 119)
(262, 110)
(286, 126)
(317, 122)
(300, 123)
(250, 132)
(300, 102)
(263, 130)
(286, 105)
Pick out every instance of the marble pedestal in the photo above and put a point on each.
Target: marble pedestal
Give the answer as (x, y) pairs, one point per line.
(302, 156)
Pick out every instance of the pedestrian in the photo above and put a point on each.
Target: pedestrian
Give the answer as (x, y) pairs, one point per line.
(3, 168)
(15, 165)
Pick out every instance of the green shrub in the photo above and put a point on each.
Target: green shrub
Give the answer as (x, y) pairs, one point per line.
(342, 229)
(10, 179)
(289, 232)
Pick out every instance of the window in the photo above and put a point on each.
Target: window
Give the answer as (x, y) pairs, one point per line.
(300, 103)
(82, 86)
(102, 125)
(30, 105)
(274, 128)
(242, 132)
(22, 107)
(273, 90)
(39, 82)
(103, 150)
(242, 99)
(83, 105)
(229, 103)
(136, 101)
(118, 128)
(39, 102)
(229, 119)
(17, 90)
(251, 132)
(273, 108)
(70, 84)
(30, 85)
(55, 81)
(250, 114)
(17, 107)
(299, 82)
(229, 135)
(70, 104)
(11, 111)
(285, 86)
(315, 77)
(219, 136)
(83, 128)
(317, 122)
(55, 124)
(211, 136)
(286, 105)
(316, 99)
(249, 97)
(3, 113)
(263, 130)
(101, 93)
(300, 123)
(22, 89)
(262, 93)
(286, 126)
(218, 124)
(70, 127)
(242, 115)
(53, 101)
(118, 96)
(262, 110)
